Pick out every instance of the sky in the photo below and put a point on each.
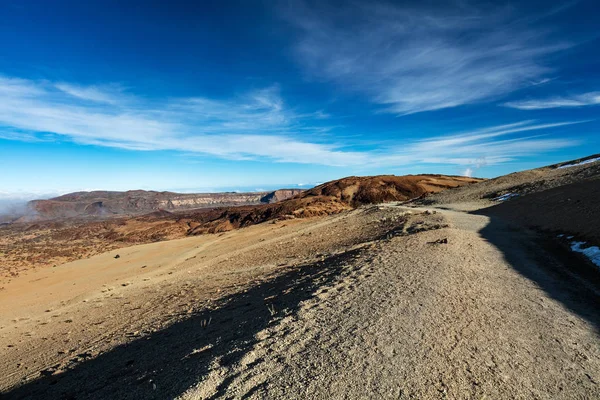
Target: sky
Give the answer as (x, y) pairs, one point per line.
(252, 95)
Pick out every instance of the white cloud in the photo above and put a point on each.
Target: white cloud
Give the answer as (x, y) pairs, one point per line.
(581, 100)
(256, 126)
(479, 147)
(412, 59)
(111, 94)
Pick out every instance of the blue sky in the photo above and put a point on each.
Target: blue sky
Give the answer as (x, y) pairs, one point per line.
(246, 95)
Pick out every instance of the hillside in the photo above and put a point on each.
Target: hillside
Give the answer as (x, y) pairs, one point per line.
(137, 202)
(521, 183)
(562, 199)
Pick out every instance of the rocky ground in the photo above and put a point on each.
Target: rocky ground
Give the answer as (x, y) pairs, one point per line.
(382, 301)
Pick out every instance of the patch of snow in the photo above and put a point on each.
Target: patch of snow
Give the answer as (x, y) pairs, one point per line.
(570, 237)
(561, 235)
(591, 160)
(505, 197)
(592, 252)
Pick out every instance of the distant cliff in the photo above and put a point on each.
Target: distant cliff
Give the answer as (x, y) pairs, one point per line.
(279, 195)
(135, 202)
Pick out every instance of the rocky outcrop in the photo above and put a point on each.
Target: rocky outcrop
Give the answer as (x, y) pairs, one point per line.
(280, 195)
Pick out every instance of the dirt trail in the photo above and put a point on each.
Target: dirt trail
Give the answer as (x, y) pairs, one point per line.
(419, 319)
(373, 303)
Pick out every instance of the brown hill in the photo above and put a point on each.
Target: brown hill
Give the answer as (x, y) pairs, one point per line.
(356, 191)
(331, 197)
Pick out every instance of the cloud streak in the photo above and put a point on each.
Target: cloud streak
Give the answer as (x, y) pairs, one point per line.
(481, 146)
(582, 100)
(409, 59)
(257, 125)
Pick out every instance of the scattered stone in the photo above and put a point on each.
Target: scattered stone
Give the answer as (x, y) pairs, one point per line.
(117, 256)
(48, 371)
(440, 241)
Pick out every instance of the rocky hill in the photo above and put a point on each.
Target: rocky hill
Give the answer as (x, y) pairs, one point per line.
(136, 202)
(355, 190)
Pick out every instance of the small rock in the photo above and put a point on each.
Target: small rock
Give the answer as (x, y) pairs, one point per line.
(85, 355)
(440, 241)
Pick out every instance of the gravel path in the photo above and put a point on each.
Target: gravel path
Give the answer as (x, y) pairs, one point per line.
(412, 318)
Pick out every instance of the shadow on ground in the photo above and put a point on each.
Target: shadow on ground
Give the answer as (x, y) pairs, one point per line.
(166, 363)
(566, 276)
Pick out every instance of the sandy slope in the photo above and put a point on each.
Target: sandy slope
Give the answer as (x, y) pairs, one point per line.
(53, 319)
(365, 304)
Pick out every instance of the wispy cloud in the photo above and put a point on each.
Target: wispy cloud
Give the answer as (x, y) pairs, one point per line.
(581, 100)
(254, 125)
(411, 59)
(257, 125)
(487, 146)
(111, 94)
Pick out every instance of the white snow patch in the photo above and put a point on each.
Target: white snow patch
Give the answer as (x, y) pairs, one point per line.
(592, 252)
(561, 235)
(591, 160)
(505, 197)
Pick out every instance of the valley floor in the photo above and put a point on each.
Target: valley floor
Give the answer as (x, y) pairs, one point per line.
(380, 302)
